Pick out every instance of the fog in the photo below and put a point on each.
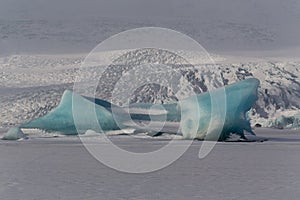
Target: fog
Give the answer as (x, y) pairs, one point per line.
(254, 11)
(226, 24)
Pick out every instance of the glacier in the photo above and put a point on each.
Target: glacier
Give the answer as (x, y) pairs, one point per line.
(192, 117)
(285, 122)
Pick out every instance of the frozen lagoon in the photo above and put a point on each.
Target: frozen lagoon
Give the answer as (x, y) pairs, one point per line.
(61, 168)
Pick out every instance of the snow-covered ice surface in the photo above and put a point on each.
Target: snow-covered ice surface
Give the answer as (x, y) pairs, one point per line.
(60, 168)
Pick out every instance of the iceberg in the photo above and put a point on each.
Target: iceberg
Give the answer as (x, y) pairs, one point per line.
(61, 119)
(192, 117)
(195, 113)
(14, 134)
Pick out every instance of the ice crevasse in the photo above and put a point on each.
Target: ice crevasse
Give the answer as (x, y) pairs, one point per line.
(194, 117)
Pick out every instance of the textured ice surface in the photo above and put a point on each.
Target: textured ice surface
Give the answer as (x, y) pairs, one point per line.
(88, 112)
(290, 122)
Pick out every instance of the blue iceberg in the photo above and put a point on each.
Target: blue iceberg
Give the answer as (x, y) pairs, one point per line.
(14, 134)
(61, 119)
(198, 118)
(193, 117)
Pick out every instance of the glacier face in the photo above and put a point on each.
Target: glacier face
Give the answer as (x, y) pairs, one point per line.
(285, 121)
(278, 93)
(77, 114)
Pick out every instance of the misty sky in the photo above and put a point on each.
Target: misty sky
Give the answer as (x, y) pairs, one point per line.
(233, 24)
(248, 10)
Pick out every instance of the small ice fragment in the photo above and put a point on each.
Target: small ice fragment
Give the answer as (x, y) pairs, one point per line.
(14, 134)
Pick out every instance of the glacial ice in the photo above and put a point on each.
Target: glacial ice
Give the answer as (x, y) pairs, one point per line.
(61, 118)
(289, 122)
(89, 113)
(239, 99)
(14, 134)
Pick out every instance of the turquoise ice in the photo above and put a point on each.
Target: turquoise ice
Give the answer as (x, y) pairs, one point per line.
(14, 134)
(194, 116)
(61, 119)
